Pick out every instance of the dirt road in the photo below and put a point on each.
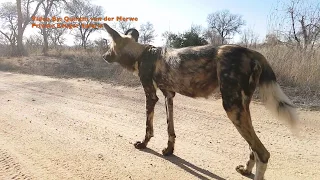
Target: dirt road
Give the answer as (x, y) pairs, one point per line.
(80, 129)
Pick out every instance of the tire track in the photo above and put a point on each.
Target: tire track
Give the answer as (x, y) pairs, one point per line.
(10, 168)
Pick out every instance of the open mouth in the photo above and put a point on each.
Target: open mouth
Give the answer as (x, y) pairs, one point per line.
(107, 61)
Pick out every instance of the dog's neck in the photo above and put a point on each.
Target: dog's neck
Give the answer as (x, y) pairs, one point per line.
(131, 58)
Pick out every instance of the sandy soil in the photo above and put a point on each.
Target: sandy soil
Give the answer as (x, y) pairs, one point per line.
(80, 129)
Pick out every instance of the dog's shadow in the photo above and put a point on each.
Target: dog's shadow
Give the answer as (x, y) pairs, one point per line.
(185, 165)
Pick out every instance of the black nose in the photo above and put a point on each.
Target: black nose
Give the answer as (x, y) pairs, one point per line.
(104, 57)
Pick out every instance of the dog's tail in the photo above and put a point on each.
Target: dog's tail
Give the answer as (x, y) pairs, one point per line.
(274, 98)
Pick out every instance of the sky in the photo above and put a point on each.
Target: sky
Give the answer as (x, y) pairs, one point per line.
(179, 15)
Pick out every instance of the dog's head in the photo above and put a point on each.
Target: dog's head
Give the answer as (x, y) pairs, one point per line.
(124, 49)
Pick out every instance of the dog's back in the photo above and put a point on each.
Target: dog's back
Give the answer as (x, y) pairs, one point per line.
(189, 71)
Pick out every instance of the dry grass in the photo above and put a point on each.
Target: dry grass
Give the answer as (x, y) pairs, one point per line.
(299, 72)
(70, 63)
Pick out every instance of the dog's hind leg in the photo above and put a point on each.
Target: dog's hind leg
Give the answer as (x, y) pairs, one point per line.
(237, 89)
(247, 170)
(171, 134)
(239, 114)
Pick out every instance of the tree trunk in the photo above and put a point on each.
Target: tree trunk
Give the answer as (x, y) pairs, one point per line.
(84, 42)
(20, 48)
(47, 9)
(45, 41)
(13, 46)
(305, 34)
(84, 45)
(22, 24)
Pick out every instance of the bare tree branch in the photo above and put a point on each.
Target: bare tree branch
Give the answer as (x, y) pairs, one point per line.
(123, 26)
(147, 34)
(225, 23)
(83, 8)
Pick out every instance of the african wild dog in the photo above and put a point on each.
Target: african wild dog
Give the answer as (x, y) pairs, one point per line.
(197, 72)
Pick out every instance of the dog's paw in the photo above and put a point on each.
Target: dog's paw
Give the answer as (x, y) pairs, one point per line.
(167, 151)
(140, 145)
(242, 170)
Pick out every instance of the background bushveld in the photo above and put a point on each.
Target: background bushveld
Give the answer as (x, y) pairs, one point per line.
(292, 45)
(70, 63)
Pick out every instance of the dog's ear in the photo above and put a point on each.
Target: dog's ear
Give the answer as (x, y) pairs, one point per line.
(114, 34)
(133, 33)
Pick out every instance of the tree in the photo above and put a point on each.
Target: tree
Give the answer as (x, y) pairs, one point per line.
(47, 6)
(15, 18)
(56, 36)
(146, 33)
(297, 22)
(101, 44)
(213, 37)
(83, 8)
(172, 40)
(34, 43)
(9, 21)
(225, 23)
(123, 26)
(272, 39)
(192, 37)
(23, 20)
(305, 23)
(249, 38)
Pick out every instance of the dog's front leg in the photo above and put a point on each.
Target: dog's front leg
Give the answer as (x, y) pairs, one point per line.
(171, 134)
(151, 100)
